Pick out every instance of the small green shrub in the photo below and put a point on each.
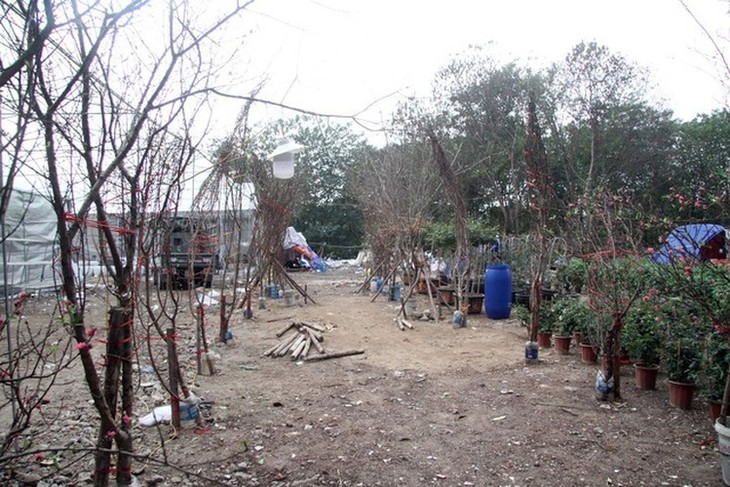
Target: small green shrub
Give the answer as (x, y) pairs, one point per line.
(641, 335)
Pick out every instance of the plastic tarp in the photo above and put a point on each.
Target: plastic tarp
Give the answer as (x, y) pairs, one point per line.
(295, 241)
(292, 238)
(30, 229)
(687, 241)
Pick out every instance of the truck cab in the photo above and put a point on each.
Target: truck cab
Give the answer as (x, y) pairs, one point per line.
(186, 254)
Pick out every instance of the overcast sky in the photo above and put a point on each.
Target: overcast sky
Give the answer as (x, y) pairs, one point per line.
(340, 56)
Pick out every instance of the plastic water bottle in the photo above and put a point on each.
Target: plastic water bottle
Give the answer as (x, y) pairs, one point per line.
(531, 351)
(458, 319)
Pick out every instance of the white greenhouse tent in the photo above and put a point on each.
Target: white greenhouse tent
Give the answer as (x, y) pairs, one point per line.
(30, 243)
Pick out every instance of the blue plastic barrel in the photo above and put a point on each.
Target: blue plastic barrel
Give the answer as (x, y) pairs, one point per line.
(498, 291)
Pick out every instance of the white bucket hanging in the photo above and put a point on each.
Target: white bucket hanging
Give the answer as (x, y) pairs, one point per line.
(283, 159)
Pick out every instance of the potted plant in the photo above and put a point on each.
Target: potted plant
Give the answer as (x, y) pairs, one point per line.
(642, 339)
(615, 281)
(570, 314)
(701, 286)
(714, 367)
(521, 313)
(572, 275)
(681, 360)
(546, 325)
(593, 333)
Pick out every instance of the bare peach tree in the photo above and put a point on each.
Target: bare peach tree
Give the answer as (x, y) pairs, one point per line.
(540, 199)
(100, 128)
(395, 188)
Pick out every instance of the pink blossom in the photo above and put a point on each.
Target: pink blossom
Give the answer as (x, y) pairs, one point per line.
(82, 345)
(111, 434)
(721, 328)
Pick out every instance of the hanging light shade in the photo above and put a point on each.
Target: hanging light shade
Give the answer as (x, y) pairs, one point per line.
(283, 159)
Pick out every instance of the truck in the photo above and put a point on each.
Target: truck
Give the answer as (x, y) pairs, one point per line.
(186, 253)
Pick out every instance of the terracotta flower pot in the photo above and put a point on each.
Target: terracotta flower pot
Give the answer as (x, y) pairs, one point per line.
(476, 303)
(714, 410)
(447, 294)
(681, 394)
(543, 339)
(562, 344)
(588, 354)
(646, 376)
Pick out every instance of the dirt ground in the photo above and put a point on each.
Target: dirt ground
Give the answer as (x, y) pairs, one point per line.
(429, 406)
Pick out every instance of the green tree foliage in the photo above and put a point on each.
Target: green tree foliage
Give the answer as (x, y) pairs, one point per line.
(589, 85)
(638, 141)
(483, 104)
(440, 236)
(700, 165)
(328, 216)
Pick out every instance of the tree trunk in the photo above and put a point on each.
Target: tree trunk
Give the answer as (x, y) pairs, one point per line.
(725, 400)
(112, 379)
(125, 439)
(610, 363)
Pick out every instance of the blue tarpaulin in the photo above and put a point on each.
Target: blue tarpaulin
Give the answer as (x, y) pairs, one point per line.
(688, 241)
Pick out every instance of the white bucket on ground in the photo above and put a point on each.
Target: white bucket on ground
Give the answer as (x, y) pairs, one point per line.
(723, 444)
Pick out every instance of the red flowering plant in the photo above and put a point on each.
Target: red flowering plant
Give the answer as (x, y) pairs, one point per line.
(608, 226)
(615, 283)
(696, 292)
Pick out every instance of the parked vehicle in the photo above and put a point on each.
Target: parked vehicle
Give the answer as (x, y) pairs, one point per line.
(187, 254)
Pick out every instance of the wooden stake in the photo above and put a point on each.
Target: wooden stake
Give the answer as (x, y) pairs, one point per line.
(208, 358)
(315, 341)
(315, 326)
(285, 329)
(224, 322)
(284, 344)
(296, 351)
(299, 339)
(308, 342)
(327, 356)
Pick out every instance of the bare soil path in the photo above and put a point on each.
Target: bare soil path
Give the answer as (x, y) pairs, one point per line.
(429, 406)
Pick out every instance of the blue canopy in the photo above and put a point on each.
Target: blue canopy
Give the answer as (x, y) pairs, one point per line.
(687, 241)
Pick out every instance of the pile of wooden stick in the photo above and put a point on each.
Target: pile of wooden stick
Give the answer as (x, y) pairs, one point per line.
(306, 335)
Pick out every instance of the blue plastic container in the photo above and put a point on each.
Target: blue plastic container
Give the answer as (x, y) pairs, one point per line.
(498, 291)
(395, 292)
